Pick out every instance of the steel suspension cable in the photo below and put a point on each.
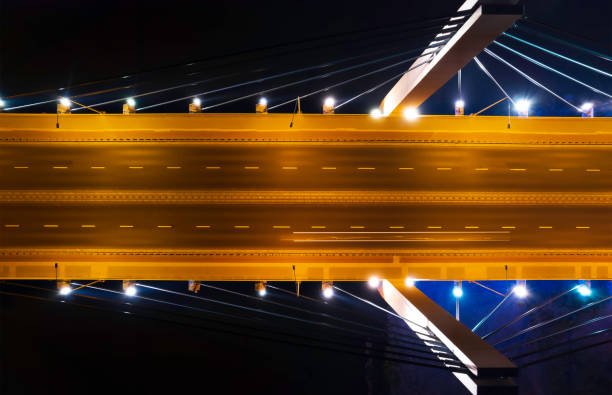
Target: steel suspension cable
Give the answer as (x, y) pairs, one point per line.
(588, 322)
(558, 40)
(193, 83)
(403, 329)
(541, 324)
(530, 311)
(372, 89)
(436, 23)
(283, 333)
(561, 354)
(559, 344)
(486, 317)
(486, 72)
(250, 334)
(287, 84)
(544, 66)
(255, 310)
(296, 308)
(428, 332)
(365, 354)
(548, 51)
(530, 79)
(349, 81)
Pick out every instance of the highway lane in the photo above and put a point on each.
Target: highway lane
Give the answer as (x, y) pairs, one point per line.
(310, 227)
(299, 166)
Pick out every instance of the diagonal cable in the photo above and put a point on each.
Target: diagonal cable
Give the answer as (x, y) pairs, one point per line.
(486, 317)
(544, 323)
(372, 89)
(588, 322)
(311, 79)
(428, 332)
(346, 82)
(559, 344)
(350, 322)
(544, 66)
(530, 311)
(548, 51)
(484, 70)
(263, 79)
(530, 79)
(287, 334)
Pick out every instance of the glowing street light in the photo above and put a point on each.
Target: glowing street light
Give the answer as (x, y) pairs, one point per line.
(195, 106)
(262, 106)
(129, 288)
(411, 113)
(588, 110)
(520, 289)
(1, 104)
(457, 290)
(63, 105)
(374, 282)
(585, 289)
(459, 106)
(64, 287)
(130, 106)
(260, 288)
(522, 107)
(409, 281)
(376, 113)
(328, 289)
(329, 105)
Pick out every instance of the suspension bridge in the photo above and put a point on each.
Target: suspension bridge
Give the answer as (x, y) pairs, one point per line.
(391, 196)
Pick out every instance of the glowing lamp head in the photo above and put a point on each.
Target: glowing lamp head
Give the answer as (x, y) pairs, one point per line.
(376, 113)
(65, 289)
(520, 291)
(261, 107)
(457, 292)
(130, 290)
(131, 102)
(522, 107)
(584, 290)
(411, 113)
(260, 288)
(328, 289)
(1, 104)
(64, 102)
(374, 282)
(197, 102)
(410, 282)
(329, 105)
(587, 110)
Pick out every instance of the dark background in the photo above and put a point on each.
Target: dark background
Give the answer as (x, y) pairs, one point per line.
(137, 346)
(49, 44)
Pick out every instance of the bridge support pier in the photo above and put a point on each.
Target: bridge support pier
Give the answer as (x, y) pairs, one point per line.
(490, 371)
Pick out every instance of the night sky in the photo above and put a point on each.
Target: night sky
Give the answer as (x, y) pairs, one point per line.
(57, 44)
(52, 347)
